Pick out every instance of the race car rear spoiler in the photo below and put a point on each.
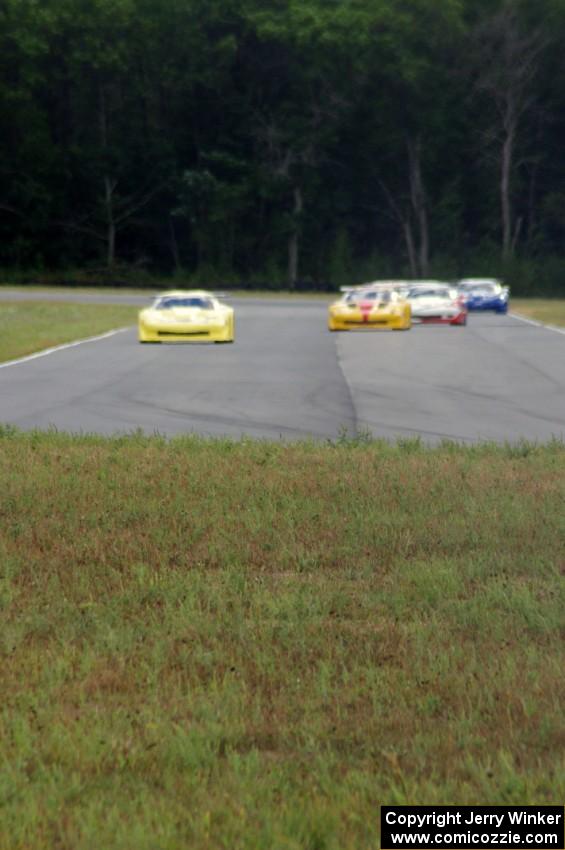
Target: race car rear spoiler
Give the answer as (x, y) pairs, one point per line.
(376, 284)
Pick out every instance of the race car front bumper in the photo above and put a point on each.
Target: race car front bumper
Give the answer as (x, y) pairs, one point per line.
(499, 305)
(356, 322)
(185, 332)
(453, 319)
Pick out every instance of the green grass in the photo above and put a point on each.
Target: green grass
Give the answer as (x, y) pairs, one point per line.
(26, 327)
(212, 644)
(550, 311)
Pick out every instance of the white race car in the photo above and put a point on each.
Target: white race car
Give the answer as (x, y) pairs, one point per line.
(435, 302)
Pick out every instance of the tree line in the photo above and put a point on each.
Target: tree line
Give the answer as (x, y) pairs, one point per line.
(284, 142)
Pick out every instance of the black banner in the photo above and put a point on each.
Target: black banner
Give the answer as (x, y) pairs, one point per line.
(477, 827)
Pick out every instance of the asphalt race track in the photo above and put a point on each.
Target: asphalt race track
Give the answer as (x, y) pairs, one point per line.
(287, 377)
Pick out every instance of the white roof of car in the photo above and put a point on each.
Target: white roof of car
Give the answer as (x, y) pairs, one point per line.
(375, 285)
(478, 281)
(186, 293)
(427, 284)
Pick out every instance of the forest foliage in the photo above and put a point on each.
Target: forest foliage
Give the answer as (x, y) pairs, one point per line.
(284, 142)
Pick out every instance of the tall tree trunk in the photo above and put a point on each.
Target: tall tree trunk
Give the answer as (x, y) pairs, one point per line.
(174, 244)
(532, 184)
(293, 238)
(109, 186)
(532, 224)
(402, 214)
(505, 202)
(508, 62)
(532, 187)
(409, 239)
(424, 256)
(419, 205)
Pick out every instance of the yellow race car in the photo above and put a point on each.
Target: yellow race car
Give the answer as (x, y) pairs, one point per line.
(194, 316)
(371, 306)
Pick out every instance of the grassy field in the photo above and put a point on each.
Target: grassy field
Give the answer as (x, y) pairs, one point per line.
(26, 327)
(550, 311)
(254, 645)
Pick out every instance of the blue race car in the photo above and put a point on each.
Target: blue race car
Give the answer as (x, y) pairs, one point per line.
(484, 294)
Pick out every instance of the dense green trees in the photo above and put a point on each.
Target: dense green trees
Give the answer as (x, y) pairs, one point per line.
(275, 141)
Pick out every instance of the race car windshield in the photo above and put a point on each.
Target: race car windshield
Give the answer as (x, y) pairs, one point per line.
(370, 295)
(427, 293)
(194, 301)
(488, 288)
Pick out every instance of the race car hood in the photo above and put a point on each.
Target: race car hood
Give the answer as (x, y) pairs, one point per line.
(184, 314)
(433, 304)
(432, 301)
(362, 307)
(485, 296)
